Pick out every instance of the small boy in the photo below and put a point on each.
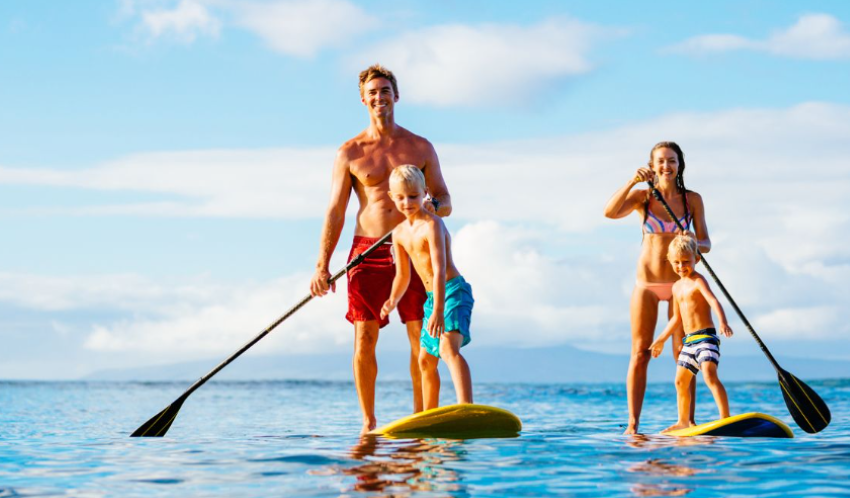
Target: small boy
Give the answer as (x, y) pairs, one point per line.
(692, 305)
(423, 240)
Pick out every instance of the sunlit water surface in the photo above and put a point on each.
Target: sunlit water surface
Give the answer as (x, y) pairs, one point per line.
(259, 439)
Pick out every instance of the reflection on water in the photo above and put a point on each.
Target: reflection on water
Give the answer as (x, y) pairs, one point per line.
(658, 441)
(665, 470)
(403, 466)
(656, 490)
(656, 467)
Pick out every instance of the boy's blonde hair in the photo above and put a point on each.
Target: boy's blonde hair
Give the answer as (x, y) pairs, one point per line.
(409, 175)
(683, 244)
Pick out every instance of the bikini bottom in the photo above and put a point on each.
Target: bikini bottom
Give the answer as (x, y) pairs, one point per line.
(662, 290)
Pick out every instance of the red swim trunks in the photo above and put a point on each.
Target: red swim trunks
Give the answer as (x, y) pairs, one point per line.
(370, 283)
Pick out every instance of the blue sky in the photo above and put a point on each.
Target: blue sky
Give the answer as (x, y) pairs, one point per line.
(164, 165)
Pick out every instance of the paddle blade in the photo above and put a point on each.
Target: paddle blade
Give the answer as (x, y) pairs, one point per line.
(159, 424)
(804, 404)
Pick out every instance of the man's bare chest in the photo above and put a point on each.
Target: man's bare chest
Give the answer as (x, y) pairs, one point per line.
(375, 167)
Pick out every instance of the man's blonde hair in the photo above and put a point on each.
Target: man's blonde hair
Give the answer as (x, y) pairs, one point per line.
(409, 175)
(683, 244)
(377, 71)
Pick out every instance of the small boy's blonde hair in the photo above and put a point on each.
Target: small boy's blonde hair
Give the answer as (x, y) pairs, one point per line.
(409, 175)
(683, 244)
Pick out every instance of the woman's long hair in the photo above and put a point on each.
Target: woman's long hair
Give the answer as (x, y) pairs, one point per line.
(680, 176)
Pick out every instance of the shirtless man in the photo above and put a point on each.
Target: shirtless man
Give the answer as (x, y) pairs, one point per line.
(363, 166)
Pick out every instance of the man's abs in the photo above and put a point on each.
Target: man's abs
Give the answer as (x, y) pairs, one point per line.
(377, 218)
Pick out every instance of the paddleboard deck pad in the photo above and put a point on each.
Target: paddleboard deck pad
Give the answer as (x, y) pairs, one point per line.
(744, 425)
(467, 421)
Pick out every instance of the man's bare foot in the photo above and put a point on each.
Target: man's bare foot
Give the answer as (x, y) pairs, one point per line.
(368, 425)
(630, 430)
(677, 426)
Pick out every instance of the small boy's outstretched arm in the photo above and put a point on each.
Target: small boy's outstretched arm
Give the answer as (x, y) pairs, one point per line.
(658, 344)
(437, 247)
(401, 279)
(709, 296)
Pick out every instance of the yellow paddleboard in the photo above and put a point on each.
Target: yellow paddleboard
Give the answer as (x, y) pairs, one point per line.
(454, 422)
(744, 425)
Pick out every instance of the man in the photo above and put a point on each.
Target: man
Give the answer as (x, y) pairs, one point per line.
(363, 165)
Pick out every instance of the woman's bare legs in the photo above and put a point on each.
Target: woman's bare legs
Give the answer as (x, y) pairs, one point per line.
(644, 314)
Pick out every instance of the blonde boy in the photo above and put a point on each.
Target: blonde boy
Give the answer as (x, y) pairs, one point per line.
(693, 302)
(423, 240)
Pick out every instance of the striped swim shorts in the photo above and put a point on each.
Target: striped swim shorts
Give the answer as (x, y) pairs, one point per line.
(699, 347)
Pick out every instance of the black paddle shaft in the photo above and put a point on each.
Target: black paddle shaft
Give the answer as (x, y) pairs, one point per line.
(354, 262)
(740, 313)
(160, 423)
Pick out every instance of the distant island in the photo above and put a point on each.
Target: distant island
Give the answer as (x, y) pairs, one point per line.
(561, 364)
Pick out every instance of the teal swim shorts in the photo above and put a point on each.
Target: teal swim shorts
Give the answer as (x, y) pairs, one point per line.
(458, 314)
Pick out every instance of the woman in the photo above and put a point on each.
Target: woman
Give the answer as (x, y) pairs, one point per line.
(655, 276)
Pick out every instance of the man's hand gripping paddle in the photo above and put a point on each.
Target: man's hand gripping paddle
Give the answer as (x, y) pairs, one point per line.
(159, 424)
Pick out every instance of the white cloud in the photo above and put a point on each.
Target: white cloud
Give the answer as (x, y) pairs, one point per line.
(475, 65)
(304, 27)
(813, 36)
(774, 163)
(784, 169)
(191, 318)
(545, 265)
(523, 298)
(279, 183)
(712, 43)
(124, 292)
(803, 324)
(300, 28)
(229, 318)
(185, 21)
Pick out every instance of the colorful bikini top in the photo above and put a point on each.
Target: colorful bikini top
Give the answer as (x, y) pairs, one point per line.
(654, 224)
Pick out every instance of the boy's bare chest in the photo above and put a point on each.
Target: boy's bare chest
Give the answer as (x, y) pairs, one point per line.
(691, 298)
(416, 244)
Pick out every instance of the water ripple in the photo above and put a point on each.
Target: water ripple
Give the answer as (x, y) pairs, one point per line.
(253, 439)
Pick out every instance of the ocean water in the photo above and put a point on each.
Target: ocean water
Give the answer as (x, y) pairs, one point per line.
(259, 439)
